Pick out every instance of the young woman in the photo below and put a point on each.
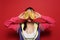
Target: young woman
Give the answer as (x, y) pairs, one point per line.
(29, 24)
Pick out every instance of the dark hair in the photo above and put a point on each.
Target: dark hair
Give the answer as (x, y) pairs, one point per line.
(25, 24)
(29, 8)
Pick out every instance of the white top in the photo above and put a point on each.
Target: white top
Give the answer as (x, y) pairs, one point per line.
(32, 35)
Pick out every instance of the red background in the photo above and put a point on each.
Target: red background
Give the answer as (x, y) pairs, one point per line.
(10, 8)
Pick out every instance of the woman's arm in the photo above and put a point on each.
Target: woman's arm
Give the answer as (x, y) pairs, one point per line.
(46, 23)
(15, 20)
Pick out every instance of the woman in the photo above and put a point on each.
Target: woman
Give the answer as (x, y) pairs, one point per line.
(29, 24)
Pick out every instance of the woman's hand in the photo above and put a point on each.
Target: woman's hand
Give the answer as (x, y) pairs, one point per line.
(37, 15)
(26, 15)
(23, 15)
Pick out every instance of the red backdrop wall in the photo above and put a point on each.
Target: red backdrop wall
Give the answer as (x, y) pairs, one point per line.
(10, 8)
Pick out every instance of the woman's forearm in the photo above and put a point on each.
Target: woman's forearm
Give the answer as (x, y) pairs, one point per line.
(48, 19)
(13, 20)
